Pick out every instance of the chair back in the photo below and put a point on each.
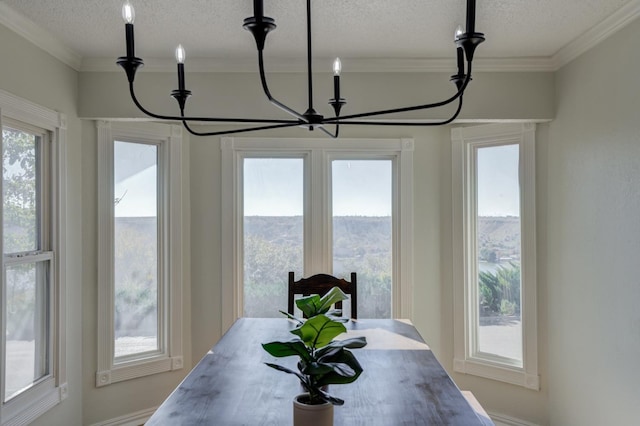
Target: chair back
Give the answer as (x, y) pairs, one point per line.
(320, 284)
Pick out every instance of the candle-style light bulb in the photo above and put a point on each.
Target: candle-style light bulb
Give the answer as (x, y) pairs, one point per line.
(337, 67)
(337, 102)
(180, 54)
(128, 13)
(458, 33)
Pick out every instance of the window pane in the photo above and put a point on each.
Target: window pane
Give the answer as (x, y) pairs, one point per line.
(498, 239)
(27, 307)
(273, 232)
(19, 177)
(362, 240)
(136, 248)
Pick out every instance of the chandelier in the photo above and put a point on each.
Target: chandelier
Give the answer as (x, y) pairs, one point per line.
(466, 41)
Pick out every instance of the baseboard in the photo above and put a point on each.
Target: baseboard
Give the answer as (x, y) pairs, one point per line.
(133, 419)
(504, 420)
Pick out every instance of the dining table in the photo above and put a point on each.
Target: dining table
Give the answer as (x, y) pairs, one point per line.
(402, 382)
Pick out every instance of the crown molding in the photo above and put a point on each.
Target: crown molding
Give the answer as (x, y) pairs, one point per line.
(360, 65)
(614, 23)
(38, 36)
(47, 42)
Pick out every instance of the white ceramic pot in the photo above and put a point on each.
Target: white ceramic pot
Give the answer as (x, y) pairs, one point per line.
(311, 415)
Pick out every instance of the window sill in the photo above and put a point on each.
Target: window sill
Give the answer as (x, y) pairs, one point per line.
(133, 370)
(503, 373)
(24, 409)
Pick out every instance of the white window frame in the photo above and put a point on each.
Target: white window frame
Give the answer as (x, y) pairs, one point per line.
(317, 154)
(467, 358)
(169, 357)
(52, 389)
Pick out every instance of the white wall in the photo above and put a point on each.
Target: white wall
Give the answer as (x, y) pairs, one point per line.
(593, 247)
(34, 75)
(490, 95)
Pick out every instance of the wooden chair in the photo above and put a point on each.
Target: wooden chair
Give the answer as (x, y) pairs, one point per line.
(320, 284)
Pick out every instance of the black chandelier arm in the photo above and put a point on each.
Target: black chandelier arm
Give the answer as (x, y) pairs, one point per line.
(401, 123)
(204, 119)
(328, 133)
(229, 132)
(458, 94)
(274, 101)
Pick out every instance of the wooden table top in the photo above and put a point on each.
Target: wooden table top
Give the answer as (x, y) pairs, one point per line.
(402, 382)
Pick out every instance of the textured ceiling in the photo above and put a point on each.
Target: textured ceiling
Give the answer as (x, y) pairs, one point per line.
(347, 28)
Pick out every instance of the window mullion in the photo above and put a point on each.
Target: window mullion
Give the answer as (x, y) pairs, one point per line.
(528, 272)
(472, 250)
(316, 257)
(162, 249)
(41, 327)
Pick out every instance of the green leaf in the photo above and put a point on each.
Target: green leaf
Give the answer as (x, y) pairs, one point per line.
(334, 378)
(282, 349)
(318, 396)
(352, 343)
(309, 305)
(315, 305)
(339, 368)
(327, 351)
(316, 369)
(331, 298)
(318, 331)
(331, 399)
(287, 370)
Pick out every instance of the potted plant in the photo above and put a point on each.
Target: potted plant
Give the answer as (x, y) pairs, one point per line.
(323, 360)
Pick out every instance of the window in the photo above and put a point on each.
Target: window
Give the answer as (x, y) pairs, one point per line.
(494, 258)
(32, 362)
(273, 231)
(140, 266)
(361, 204)
(313, 206)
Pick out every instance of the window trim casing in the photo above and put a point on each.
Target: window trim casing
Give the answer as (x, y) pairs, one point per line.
(52, 390)
(465, 359)
(316, 152)
(170, 356)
